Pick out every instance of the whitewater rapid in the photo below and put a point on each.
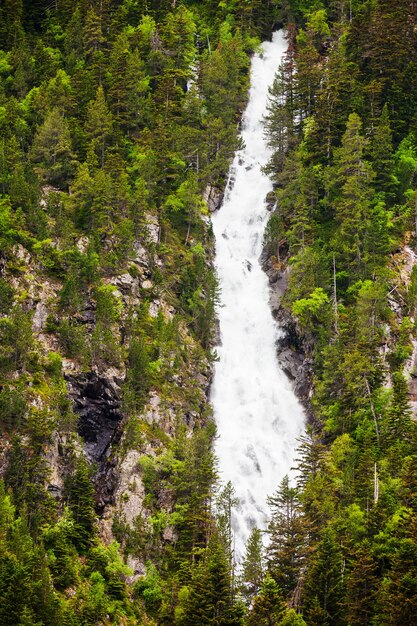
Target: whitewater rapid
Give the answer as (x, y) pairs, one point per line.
(258, 416)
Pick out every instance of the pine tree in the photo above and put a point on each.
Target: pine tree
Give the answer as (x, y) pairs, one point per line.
(225, 502)
(80, 492)
(92, 33)
(323, 589)
(286, 548)
(361, 588)
(99, 123)
(381, 153)
(400, 426)
(129, 88)
(336, 97)
(308, 73)
(210, 599)
(297, 202)
(252, 566)
(11, 29)
(51, 150)
(74, 44)
(268, 607)
(399, 593)
(279, 119)
(389, 52)
(350, 182)
(194, 488)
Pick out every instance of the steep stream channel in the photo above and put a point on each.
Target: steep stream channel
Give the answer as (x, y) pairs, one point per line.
(257, 414)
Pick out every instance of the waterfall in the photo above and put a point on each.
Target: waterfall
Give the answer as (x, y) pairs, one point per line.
(257, 414)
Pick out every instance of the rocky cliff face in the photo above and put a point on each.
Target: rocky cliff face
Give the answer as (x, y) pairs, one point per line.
(294, 354)
(401, 297)
(113, 439)
(97, 402)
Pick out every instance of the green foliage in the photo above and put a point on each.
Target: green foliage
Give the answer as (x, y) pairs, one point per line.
(27, 594)
(313, 310)
(80, 497)
(208, 599)
(252, 567)
(6, 296)
(96, 101)
(292, 618)
(149, 590)
(286, 548)
(16, 340)
(51, 150)
(268, 607)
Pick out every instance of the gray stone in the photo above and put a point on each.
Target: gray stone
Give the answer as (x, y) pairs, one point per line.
(152, 227)
(39, 317)
(213, 196)
(125, 282)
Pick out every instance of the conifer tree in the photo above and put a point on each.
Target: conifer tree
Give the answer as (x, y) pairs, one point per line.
(381, 153)
(268, 607)
(81, 502)
(52, 150)
(99, 123)
(286, 547)
(225, 502)
(210, 600)
(350, 181)
(252, 566)
(323, 589)
(361, 587)
(279, 119)
(336, 97)
(308, 73)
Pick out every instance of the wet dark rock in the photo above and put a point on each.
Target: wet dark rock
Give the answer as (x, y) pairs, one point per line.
(292, 349)
(97, 402)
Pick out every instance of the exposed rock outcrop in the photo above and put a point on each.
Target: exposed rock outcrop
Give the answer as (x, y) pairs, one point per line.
(293, 355)
(97, 402)
(213, 196)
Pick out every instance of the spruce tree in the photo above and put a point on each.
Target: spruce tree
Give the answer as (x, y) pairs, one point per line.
(268, 607)
(381, 153)
(99, 123)
(51, 150)
(210, 600)
(80, 492)
(286, 548)
(350, 184)
(252, 567)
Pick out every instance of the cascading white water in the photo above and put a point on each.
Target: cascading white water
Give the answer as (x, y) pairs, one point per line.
(257, 414)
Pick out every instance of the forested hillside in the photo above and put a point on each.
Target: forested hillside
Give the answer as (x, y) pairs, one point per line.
(342, 123)
(118, 121)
